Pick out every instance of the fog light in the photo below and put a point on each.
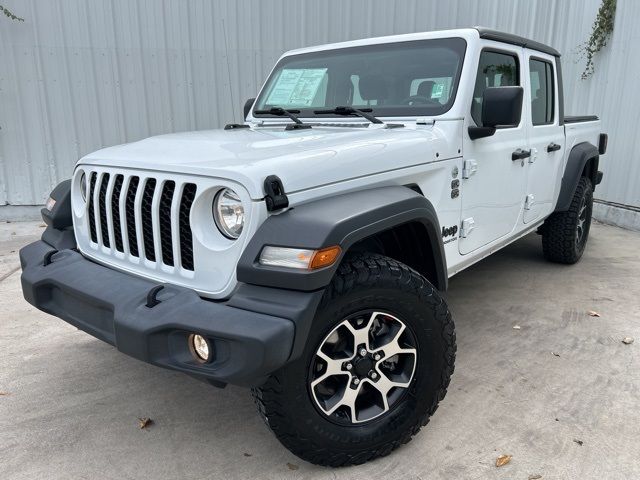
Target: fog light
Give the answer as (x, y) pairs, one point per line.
(200, 347)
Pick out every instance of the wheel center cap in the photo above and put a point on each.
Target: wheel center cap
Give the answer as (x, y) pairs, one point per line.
(363, 366)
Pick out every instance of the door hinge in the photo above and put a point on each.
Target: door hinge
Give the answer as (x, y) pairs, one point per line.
(469, 168)
(528, 202)
(468, 224)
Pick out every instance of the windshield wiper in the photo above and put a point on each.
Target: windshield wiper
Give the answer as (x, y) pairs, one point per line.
(361, 112)
(281, 112)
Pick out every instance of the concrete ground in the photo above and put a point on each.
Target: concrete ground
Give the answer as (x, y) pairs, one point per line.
(561, 393)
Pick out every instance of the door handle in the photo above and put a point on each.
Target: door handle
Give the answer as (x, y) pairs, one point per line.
(520, 154)
(552, 147)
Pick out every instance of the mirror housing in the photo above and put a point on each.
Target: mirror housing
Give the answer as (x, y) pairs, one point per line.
(501, 107)
(247, 106)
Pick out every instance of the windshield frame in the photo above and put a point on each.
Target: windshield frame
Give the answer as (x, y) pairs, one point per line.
(403, 111)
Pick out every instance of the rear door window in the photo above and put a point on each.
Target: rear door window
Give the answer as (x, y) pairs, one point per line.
(542, 94)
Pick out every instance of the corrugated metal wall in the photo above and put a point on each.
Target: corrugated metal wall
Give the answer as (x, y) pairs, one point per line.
(78, 75)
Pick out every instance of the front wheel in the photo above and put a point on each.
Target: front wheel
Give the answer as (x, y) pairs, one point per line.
(378, 360)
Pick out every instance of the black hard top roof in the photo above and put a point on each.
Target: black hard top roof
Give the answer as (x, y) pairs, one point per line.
(516, 40)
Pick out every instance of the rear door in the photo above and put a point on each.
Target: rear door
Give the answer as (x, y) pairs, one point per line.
(493, 185)
(546, 136)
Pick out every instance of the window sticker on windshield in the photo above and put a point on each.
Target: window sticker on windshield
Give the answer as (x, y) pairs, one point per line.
(296, 87)
(438, 90)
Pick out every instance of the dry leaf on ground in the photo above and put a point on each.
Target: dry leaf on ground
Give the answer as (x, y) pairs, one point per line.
(247, 454)
(627, 340)
(579, 442)
(144, 422)
(535, 477)
(503, 460)
(4, 394)
(555, 354)
(593, 314)
(292, 466)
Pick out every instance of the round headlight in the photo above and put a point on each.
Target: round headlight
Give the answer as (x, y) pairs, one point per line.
(83, 186)
(228, 213)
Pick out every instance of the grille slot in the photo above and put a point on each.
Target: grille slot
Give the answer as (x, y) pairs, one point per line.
(131, 215)
(147, 221)
(115, 212)
(102, 195)
(186, 239)
(142, 217)
(90, 205)
(165, 222)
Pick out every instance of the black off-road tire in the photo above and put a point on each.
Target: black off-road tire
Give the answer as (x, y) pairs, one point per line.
(560, 241)
(364, 281)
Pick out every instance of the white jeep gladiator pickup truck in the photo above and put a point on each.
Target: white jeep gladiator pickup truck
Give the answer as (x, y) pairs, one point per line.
(303, 252)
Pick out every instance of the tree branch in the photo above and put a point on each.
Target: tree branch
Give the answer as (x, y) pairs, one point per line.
(10, 14)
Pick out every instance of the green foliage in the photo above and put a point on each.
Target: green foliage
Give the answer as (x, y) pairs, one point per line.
(600, 34)
(9, 14)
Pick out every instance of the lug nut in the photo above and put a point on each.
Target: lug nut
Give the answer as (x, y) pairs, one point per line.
(348, 366)
(363, 352)
(373, 375)
(377, 357)
(356, 381)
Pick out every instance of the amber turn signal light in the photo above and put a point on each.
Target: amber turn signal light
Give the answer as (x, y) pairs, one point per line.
(325, 257)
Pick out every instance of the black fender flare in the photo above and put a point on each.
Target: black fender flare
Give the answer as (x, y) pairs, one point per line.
(578, 157)
(57, 216)
(58, 212)
(339, 220)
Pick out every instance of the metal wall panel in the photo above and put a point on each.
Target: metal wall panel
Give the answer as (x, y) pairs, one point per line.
(81, 74)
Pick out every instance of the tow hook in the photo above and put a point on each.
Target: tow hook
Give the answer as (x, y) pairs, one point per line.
(47, 257)
(152, 296)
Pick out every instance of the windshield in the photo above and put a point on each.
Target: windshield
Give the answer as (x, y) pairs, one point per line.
(392, 79)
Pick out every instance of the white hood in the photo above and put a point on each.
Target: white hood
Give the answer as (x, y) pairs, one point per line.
(301, 158)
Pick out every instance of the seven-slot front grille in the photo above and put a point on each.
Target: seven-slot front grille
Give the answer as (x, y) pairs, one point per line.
(142, 217)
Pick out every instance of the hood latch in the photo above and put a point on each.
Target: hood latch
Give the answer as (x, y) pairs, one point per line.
(275, 197)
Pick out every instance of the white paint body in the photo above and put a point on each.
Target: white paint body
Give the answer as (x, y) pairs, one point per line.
(326, 160)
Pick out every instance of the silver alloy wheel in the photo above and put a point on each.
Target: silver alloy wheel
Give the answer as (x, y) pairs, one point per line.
(582, 218)
(363, 367)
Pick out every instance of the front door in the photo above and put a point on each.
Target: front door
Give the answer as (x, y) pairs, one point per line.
(493, 185)
(546, 137)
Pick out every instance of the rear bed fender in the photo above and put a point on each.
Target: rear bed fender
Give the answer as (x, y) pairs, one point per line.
(578, 157)
(341, 220)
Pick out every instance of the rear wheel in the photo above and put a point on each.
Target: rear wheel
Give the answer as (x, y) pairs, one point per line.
(565, 234)
(378, 360)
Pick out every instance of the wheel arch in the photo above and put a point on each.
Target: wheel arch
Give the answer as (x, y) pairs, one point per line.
(583, 161)
(352, 221)
(409, 243)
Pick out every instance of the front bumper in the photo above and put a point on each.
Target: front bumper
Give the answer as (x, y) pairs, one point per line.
(253, 333)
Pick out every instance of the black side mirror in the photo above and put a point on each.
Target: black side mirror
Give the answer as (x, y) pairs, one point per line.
(247, 106)
(501, 107)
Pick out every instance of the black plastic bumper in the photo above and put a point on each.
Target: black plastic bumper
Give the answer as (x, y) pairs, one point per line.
(253, 334)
